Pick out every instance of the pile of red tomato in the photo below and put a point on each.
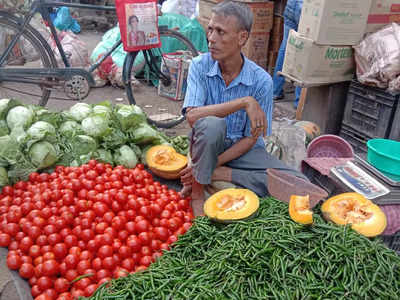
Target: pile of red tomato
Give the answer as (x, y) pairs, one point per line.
(91, 223)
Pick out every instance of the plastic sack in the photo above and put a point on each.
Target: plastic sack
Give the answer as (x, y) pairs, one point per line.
(378, 59)
(187, 8)
(64, 21)
(75, 50)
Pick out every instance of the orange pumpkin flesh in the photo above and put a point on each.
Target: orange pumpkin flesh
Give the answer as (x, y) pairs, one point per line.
(352, 208)
(165, 162)
(299, 209)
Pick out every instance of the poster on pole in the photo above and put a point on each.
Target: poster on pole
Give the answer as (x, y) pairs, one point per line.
(138, 24)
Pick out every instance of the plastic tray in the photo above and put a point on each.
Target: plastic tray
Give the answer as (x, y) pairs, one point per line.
(376, 172)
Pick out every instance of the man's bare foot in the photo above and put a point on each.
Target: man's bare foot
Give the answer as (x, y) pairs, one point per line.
(197, 199)
(185, 191)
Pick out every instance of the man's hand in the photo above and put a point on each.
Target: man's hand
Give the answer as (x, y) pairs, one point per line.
(257, 117)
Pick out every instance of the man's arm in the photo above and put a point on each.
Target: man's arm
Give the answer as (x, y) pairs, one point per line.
(239, 148)
(254, 111)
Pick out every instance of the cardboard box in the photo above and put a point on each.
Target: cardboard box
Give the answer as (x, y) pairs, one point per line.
(379, 7)
(377, 22)
(382, 13)
(313, 63)
(276, 34)
(334, 22)
(256, 48)
(263, 13)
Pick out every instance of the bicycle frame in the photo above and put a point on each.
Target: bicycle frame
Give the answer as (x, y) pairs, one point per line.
(42, 7)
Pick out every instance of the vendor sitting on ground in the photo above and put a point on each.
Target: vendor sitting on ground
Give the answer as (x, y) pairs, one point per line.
(229, 106)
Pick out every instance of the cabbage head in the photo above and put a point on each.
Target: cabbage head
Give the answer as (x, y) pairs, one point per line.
(102, 109)
(70, 128)
(4, 128)
(3, 177)
(126, 157)
(19, 116)
(145, 134)
(41, 130)
(80, 111)
(130, 116)
(96, 125)
(42, 154)
(83, 144)
(6, 105)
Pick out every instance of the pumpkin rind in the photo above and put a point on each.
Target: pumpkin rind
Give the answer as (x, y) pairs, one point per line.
(352, 208)
(231, 205)
(165, 162)
(299, 209)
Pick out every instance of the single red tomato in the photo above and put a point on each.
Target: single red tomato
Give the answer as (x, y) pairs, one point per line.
(13, 262)
(26, 270)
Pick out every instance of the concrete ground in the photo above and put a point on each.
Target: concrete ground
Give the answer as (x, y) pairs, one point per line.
(12, 287)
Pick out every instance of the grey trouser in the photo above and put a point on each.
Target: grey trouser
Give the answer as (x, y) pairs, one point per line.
(208, 141)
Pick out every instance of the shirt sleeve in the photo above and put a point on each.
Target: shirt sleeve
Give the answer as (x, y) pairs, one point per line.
(263, 96)
(196, 88)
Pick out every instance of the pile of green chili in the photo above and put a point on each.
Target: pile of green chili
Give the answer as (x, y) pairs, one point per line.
(269, 256)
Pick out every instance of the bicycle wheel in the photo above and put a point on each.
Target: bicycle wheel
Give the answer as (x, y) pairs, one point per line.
(31, 51)
(142, 75)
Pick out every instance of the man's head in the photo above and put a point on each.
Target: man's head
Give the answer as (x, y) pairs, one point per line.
(228, 29)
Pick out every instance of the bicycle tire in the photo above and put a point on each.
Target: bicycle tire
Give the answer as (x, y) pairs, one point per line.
(153, 115)
(33, 41)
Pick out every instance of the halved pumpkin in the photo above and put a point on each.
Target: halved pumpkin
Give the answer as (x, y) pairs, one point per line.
(165, 162)
(231, 205)
(299, 209)
(352, 208)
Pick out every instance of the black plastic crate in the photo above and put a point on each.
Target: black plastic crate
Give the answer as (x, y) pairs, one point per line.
(370, 110)
(358, 140)
(392, 241)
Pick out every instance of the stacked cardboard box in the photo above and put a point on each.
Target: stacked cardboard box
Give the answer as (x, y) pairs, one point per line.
(275, 42)
(320, 52)
(382, 13)
(256, 47)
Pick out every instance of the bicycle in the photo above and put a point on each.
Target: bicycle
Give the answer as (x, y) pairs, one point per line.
(27, 58)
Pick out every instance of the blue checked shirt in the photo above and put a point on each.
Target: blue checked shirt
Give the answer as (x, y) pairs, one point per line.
(205, 86)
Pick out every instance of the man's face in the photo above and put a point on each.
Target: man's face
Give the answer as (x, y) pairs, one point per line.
(224, 37)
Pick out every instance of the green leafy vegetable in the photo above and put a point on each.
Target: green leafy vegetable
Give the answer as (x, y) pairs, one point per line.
(3, 177)
(41, 130)
(144, 134)
(19, 116)
(96, 125)
(43, 154)
(3, 128)
(126, 157)
(80, 111)
(70, 128)
(104, 156)
(83, 144)
(129, 116)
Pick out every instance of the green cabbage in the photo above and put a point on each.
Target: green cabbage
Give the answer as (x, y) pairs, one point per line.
(83, 144)
(126, 157)
(96, 125)
(19, 116)
(80, 111)
(3, 128)
(143, 155)
(41, 130)
(70, 128)
(42, 154)
(5, 106)
(103, 108)
(130, 116)
(3, 177)
(145, 134)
